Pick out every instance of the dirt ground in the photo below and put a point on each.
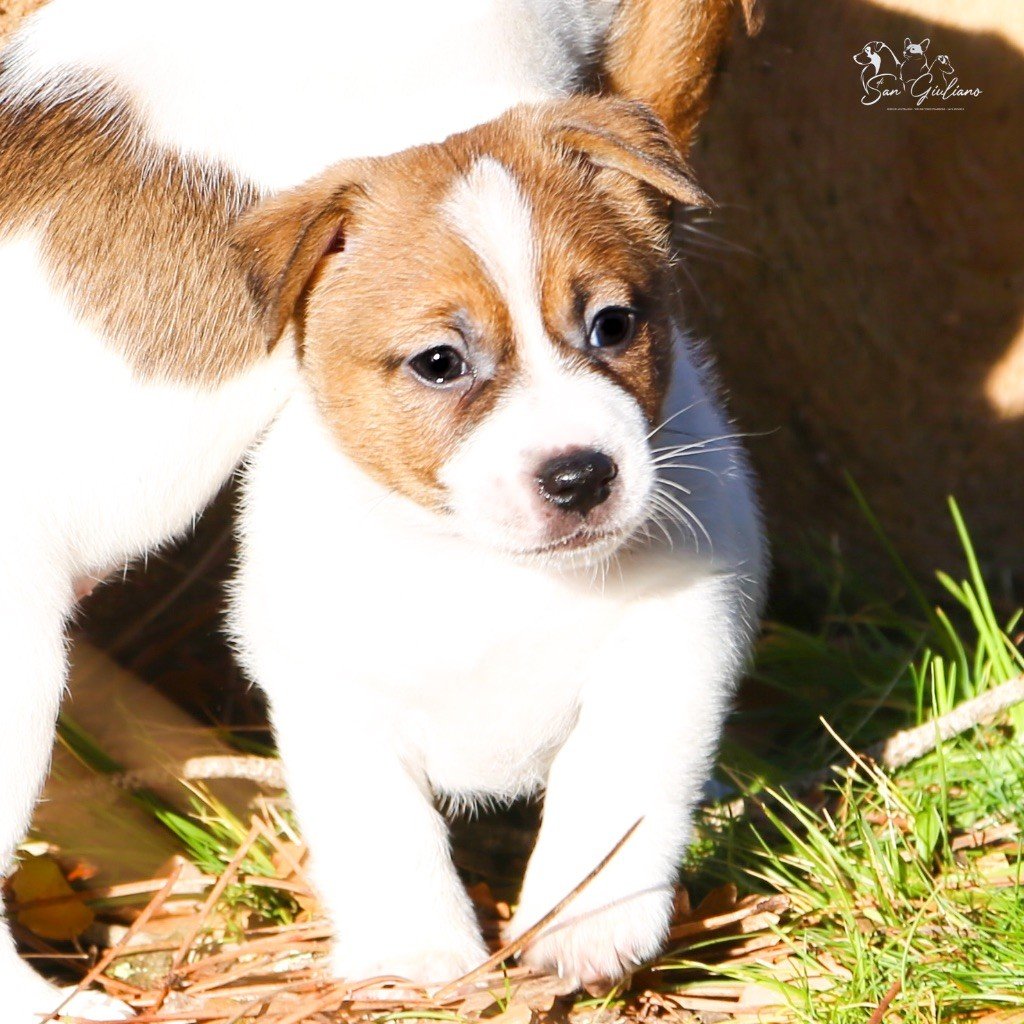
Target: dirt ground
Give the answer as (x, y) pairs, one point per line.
(871, 319)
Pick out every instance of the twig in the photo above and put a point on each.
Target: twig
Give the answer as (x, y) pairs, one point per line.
(111, 954)
(207, 908)
(879, 1015)
(895, 752)
(902, 748)
(522, 941)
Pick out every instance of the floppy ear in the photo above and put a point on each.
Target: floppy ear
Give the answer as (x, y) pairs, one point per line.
(665, 53)
(629, 137)
(279, 243)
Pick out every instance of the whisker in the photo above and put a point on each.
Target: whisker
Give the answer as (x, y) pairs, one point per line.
(739, 436)
(675, 415)
(675, 513)
(687, 465)
(655, 519)
(675, 485)
(690, 515)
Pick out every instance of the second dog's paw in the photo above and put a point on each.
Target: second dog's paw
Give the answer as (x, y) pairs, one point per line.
(90, 1005)
(591, 947)
(428, 966)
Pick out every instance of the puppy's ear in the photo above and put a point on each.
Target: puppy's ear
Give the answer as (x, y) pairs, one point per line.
(628, 137)
(665, 53)
(906, 43)
(280, 242)
(925, 43)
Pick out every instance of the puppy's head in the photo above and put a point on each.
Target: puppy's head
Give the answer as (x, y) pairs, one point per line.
(486, 323)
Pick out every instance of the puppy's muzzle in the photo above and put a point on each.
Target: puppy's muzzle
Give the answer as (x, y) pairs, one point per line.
(578, 481)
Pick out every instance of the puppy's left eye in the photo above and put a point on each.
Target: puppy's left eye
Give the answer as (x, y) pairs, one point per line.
(612, 327)
(440, 366)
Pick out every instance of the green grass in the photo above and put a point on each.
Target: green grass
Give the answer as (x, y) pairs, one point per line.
(881, 900)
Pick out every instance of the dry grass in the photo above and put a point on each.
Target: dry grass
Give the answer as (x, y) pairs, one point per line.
(194, 952)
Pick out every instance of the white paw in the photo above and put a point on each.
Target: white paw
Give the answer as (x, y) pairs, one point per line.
(430, 965)
(90, 1005)
(93, 1005)
(595, 945)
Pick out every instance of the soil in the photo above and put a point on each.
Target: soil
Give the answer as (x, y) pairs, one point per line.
(869, 318)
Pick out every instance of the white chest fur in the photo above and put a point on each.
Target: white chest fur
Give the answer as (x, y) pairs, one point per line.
(479, 662)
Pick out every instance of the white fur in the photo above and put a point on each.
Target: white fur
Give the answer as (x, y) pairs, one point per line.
(100, 468)
(279, 98)
(404, 660)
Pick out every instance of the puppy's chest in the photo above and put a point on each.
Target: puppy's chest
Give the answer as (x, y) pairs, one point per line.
(486, 669)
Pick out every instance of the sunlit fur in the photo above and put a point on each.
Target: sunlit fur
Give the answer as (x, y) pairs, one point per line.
(412, 653)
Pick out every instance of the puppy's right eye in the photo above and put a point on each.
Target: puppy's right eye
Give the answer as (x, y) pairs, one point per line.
(440, 367)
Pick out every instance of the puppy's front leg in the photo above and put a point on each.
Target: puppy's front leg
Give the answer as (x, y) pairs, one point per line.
(379, 848)
(641, 750)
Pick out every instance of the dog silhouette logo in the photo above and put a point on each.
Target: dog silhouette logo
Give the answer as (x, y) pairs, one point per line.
(909, 80)
(914, 67)
(943, 66)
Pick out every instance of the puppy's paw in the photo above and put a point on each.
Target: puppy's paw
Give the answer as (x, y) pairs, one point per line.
(94, 1006)
(597, 946)
(90, 1005)
(428, 965)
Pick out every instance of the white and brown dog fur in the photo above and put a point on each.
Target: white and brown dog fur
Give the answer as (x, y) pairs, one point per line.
(498, 536)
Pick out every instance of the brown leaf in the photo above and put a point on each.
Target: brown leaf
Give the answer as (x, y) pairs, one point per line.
(984, 837)
(59, 912)
(718, 901)
(475, 1003)
(515, 1013)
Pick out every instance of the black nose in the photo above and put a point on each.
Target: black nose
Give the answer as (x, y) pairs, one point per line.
(578, 481)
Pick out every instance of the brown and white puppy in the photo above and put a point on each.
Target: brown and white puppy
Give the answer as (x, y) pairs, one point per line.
(498, 535)
(497, 407)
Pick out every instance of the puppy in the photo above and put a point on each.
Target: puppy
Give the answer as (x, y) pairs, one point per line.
(498, 535)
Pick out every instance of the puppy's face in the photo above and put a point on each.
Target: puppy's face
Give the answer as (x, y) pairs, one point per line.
(486, 323)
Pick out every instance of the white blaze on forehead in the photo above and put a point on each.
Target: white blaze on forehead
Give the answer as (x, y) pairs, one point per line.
(555, 406)
(492, 216)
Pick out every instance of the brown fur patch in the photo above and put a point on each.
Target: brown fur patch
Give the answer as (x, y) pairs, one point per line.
(134, 235)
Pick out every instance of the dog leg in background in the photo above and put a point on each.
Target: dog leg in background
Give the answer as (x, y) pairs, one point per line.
(31, 685)
(642, 748)
(666, 53)
(386, 874)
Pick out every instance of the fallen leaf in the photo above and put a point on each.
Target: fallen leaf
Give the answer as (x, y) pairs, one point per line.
(475, 1002)
(516, 1013)
(59, 912)
(718, 901)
